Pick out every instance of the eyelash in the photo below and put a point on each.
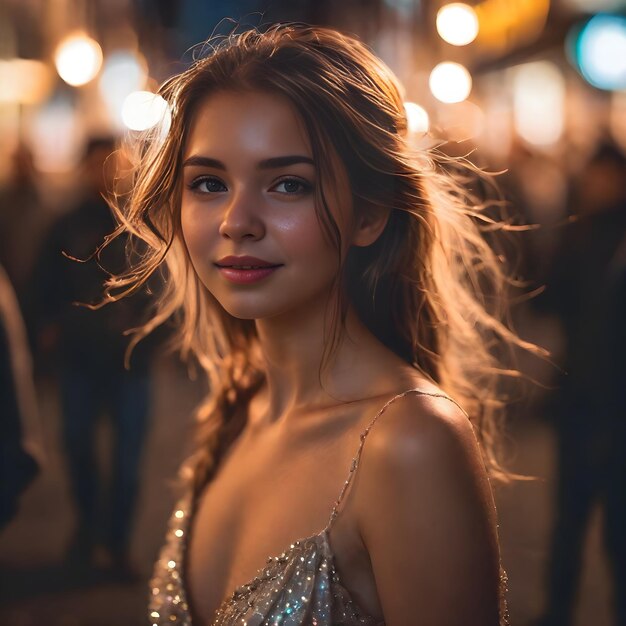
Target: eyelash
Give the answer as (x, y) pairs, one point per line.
(305, 187)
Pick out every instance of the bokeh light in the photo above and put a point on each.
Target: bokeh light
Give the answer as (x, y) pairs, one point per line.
(417, 118)
(78, 59)
(601, 52)
(24, 81)
(56, 135)
(123, 72)
(539, 98)
(143, 110)
(457, 24)
(505, 25)
(450, 82)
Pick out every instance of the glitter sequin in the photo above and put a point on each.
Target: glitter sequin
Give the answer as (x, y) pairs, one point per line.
(300, 587)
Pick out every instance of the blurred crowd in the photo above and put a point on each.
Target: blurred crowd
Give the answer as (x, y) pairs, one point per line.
(57, 273)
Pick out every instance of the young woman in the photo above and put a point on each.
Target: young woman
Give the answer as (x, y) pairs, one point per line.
(326, 278)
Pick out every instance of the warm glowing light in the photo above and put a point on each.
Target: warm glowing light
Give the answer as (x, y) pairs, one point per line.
(143, 110)
(450, 82)
(538, 99)
(123, 72)
(457, 23)
(56, 135)
(417, 118)
(78, 59)
(504, 24)
(601, 52)
(24, 81)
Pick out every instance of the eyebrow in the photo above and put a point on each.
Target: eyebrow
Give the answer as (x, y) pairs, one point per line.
(266, 164)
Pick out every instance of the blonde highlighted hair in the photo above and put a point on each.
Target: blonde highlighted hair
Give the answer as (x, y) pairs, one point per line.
(430, 288)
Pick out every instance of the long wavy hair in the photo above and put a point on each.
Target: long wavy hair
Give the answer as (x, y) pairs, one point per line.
(430, 288)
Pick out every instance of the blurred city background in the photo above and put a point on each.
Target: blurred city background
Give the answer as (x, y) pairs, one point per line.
(533, 89)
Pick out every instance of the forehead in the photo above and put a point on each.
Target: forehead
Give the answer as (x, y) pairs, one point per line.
(254, 122)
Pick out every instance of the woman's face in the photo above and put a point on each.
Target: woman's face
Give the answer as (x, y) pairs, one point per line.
(248, 207)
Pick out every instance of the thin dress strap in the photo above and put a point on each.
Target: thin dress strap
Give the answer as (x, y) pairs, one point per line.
(355, 461)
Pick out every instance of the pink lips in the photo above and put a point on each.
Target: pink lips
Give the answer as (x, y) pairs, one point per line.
(245, 269)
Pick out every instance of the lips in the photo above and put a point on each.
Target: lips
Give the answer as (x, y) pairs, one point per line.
(245, 263)
(245, 270)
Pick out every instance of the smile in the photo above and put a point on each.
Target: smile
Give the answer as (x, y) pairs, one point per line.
(246, 274)
(248, 267)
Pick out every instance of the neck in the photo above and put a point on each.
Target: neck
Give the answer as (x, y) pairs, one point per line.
(300, 371)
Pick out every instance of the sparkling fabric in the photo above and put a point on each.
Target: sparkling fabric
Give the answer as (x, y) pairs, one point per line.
(301, 587)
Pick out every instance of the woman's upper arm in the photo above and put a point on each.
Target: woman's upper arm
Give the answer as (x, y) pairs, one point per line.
(427, 517)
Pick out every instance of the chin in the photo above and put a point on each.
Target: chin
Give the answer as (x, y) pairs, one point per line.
(270, 303)
(249, 310)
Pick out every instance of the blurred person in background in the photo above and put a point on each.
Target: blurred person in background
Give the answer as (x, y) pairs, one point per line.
(89, 348)
(20, 437)
(587, 291)
(23, 222)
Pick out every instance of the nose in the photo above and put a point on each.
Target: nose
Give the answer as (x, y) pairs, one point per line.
(242, 219)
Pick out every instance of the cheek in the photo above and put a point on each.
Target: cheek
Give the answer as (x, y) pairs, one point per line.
(303, 238)
(198, 236)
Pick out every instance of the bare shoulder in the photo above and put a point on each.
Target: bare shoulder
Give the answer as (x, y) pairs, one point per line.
(423, 431)
(426, 515)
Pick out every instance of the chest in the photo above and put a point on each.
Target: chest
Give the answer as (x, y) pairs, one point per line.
(269, 491)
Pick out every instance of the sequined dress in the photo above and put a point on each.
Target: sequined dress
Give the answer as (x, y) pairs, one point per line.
(300, 587)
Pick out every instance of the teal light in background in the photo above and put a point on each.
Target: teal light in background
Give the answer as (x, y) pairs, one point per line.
(599, 50)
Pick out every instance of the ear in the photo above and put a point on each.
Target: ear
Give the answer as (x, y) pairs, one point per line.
(370, 223)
